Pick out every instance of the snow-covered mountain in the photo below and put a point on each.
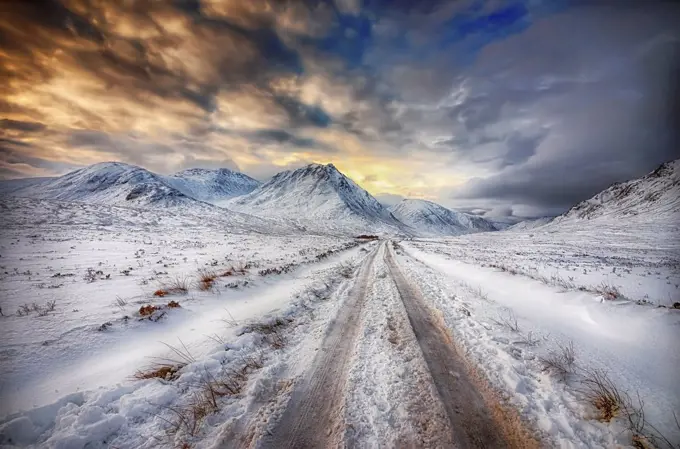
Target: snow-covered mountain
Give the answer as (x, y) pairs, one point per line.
(319, 198)
(530, 224)
(212, 186)
(433, 219)
(655, 196)
(10, 186)
(106, 185)
(501, 223)
(116, 183)
(111, 183)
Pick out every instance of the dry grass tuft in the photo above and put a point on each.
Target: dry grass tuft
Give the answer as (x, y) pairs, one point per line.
(601, 392)
(271, 331)
(173, 305)
(148, 310)
(206, 279)
(188, 418)
(508, 320)
(609, 292)
(161, 371)
(268, 327)
(176, 286)
(167, 369)
(233, 271)
(560, 362)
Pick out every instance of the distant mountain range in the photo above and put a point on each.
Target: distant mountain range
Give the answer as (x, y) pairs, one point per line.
(319, 198)
(433, 219)
(115, 183)
(532, 223)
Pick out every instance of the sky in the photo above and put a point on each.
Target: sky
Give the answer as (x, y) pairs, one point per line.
(501, 108)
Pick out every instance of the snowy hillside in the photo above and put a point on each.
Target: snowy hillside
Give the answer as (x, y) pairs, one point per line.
(319, 197)
(501, 223)
(116, 183)
(212, 185)
(28, 212)
(10, 186)
(657, 194)
(530, 224)
(433, 219)
(111, 183)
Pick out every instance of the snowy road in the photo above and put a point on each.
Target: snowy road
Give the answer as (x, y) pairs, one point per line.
(420, 355)
(311, 418)
(315, 414)
(391, 344)
(471, 422)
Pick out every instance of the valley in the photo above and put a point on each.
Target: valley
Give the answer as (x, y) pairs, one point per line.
(208, 310)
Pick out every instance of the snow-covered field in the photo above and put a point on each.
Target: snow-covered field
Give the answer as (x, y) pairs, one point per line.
(72, 288)
(184, 324)
(608, 288)
(508, 322)
(625, 261)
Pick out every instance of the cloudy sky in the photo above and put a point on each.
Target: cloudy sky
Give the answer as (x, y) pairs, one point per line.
(502, 107)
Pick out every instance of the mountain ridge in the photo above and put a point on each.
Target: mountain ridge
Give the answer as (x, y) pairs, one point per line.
(112, 183)
(320, 198)
(322, 194)
(121, 184)
(657, 192)
(212, 185)
(435, 219)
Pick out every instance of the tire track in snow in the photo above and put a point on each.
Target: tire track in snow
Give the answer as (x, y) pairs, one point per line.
(390, 398)
(314, 413)
(472, 424)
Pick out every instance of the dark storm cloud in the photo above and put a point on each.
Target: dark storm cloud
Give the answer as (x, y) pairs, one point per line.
(6, 144)
(302, 114)
(19, 125)
(283, 137)
(89, 36)
(608, 105)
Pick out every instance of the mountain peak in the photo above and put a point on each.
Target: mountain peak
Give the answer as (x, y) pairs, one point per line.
(118, 183)
(207, 171)
(318, 192)
(113, 183)
(110, 165)
(436, 219)
(212, 185)
(329, 168)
